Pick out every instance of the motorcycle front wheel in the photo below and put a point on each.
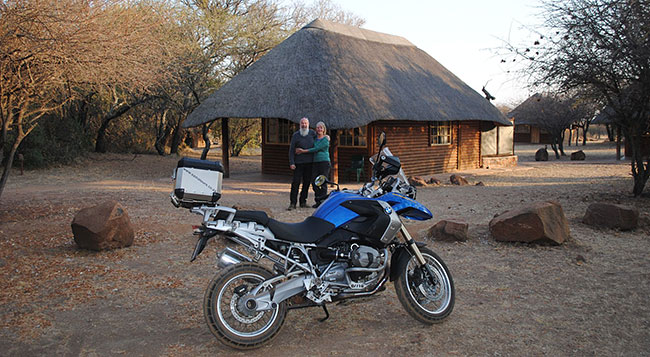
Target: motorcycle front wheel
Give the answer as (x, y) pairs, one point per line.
(428, 299)
(227, 321)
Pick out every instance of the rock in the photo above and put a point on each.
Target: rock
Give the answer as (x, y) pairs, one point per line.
(105, 226)
(578, 155)
(539, 222)
(541, 155)
(449, 231)
(458, 180)
(611, 215)
(417, 181)
(434, 181)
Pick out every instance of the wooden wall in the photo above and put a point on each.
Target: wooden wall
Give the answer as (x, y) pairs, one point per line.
(469, 156)
(275, 157)
(409, 140)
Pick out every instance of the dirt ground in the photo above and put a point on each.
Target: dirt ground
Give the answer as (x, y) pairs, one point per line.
(588, 296)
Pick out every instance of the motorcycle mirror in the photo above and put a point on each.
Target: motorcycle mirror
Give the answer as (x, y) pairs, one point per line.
(381, 140)
(320, 180)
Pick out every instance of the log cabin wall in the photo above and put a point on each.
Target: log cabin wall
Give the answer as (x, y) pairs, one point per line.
(469, 147)
(275, 157)
(409, 140)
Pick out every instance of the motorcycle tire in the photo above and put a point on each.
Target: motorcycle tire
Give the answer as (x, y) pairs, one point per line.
(227, 322)
(421, 298)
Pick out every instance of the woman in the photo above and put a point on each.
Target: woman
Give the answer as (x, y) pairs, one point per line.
(321, 163)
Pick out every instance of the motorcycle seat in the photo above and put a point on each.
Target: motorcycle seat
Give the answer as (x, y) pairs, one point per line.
(311, 230)
(247, 216)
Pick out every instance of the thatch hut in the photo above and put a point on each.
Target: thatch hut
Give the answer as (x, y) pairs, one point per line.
(359, 83)
(526, 128)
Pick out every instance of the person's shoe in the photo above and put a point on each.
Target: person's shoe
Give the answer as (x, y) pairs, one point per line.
(303, 205)
(316, 205)
(291, 206)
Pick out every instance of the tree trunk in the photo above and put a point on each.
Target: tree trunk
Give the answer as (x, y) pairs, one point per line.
(206, 139)
(610, 132)
(640, 168)
(100, 142)
(585, 129)
(176, 138)
(10, 161)
(20, 135)
(570, 136)
(618, 142)
(162, 134)
(560, 145)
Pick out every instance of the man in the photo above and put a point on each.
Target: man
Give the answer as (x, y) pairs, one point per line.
(301, 164)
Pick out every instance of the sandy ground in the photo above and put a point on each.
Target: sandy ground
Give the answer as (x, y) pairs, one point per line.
(588, 296)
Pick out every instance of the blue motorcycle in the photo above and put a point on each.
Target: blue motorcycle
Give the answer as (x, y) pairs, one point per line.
(349, 248)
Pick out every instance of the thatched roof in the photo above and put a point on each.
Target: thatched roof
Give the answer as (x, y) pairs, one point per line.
(346, 77)
(521, 114)
(604, 116)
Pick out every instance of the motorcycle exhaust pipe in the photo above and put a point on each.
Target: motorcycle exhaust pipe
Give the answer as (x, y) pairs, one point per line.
(229, 257)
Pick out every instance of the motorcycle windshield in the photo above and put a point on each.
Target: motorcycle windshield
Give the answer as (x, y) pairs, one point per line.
(406, 207)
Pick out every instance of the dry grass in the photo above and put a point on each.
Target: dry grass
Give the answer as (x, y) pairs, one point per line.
(586, 297)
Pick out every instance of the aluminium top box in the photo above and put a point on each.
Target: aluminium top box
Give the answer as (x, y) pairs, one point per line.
(198, 182)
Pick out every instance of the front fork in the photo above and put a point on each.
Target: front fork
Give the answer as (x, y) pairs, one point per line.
(412, 246)
(418, 255)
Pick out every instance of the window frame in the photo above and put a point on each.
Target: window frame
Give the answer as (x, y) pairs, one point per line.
(436, 126)
(353, 136)
(289, 128)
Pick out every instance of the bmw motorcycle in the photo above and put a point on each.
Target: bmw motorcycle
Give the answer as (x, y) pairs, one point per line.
(348, 248)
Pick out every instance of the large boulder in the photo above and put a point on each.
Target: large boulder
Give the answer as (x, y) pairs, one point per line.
(449, 231)
(458, 180)
(541, 155)
(578, 155)
(611, 215)
(105, 226)
(540, 222)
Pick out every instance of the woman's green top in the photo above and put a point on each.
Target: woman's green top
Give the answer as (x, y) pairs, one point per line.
(321, 149)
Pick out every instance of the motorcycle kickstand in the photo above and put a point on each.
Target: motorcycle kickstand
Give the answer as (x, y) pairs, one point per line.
(327, 314)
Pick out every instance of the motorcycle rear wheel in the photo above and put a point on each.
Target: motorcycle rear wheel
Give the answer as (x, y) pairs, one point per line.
(423, 300)
(227, 322)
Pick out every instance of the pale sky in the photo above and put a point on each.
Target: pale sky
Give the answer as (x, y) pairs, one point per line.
(460, 34)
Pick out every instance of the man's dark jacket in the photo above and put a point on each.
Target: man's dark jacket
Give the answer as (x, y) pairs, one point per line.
(303, 142)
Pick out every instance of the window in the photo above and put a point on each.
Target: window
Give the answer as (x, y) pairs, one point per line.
(353, 137)
(440, 133)
(279, 131)
(522, 129)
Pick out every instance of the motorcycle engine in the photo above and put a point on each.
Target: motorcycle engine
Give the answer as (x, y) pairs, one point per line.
(359, 257)
(365, 257)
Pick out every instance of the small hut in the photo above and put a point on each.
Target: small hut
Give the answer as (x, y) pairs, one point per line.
(526, 129)
(359, 83)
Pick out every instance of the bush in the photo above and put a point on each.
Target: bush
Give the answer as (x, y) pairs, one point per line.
(54, 141)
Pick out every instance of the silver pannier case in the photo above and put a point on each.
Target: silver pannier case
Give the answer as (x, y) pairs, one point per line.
(198, 182)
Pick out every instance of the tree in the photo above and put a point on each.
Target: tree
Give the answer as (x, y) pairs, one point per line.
(300, 14)
(49, 49)
(601, 47)
(553, 113)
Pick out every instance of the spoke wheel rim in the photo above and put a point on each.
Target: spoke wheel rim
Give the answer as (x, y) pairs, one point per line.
(432, 299)
(231, 317)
